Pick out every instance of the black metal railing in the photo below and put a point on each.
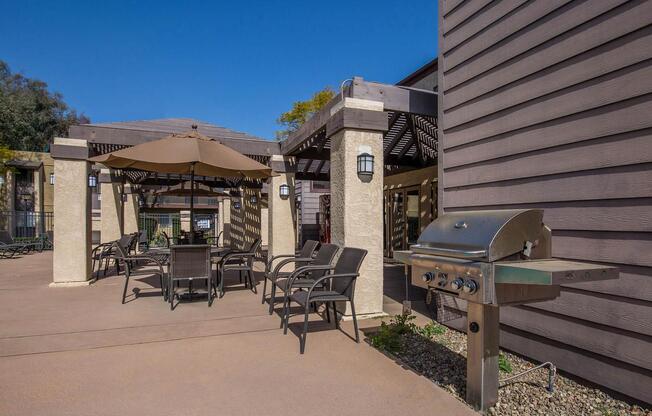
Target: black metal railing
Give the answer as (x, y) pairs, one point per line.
(26, 224)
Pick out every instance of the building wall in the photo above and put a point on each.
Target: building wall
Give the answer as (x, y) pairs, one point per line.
(548, 104)
(308, 214)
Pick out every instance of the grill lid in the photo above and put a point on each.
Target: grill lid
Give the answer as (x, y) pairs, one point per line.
(481, 235)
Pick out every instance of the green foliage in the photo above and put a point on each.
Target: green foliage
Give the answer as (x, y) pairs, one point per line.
(5, 155)
(388, 338)
(431, 329)
(302, 111)
(30, 115)
(503, 364)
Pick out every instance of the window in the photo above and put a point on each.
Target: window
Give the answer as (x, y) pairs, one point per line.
(320, 186)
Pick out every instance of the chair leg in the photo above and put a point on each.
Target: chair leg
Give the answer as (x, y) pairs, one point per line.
(286, 315)
(171, 293)
(209, 286)
(272, 297)
(252, 282)
(337, 322)
(240, 277)
(264, 290)
(355, 323)
(124, 291)
(328, 313)
(302, 340)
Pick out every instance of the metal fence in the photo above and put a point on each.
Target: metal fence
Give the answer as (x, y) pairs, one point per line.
(26, 224)
(155, 224)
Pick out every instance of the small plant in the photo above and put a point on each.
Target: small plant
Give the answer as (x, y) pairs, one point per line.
(431, 329)
(503, 364)
(387, 339)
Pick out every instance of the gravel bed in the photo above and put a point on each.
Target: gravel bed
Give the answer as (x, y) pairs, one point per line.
(443, 360)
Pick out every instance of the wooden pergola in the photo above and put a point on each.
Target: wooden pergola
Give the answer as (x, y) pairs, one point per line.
(409, 121)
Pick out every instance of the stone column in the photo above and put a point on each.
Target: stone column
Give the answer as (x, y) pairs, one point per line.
(281, 211)
(111, 208)
(72, 207)
(131, 211)
(357, 200)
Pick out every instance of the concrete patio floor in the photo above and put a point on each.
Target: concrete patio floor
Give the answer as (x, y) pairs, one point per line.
(79, 351)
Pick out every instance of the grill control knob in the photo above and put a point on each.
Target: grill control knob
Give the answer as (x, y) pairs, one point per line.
(427, 277)
(457, 284)
(442, 279)
(470, 286)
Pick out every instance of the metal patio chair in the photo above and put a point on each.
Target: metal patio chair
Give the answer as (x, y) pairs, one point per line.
(305, 276)
(129, 261)
(101, 254)
(240, 261)
(215, 241)
(305, 256)
(190, 262)
(328, 289)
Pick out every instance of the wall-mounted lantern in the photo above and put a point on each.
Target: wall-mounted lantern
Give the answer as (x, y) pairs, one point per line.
(52, 178)
(284, 191)
(236, 204)
(2, 179)
(365, 164)
(92, 180)
(253, 199)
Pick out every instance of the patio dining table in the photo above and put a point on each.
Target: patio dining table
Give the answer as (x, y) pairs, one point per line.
(216, 255)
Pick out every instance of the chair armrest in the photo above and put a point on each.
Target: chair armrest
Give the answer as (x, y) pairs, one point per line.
(303, 270)
(241, 255)
(268, 264)
(291, 260)
(320, 281)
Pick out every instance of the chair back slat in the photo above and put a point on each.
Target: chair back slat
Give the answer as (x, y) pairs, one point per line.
(308, 248)
(324, 257)
(190, 261)
(349, 261)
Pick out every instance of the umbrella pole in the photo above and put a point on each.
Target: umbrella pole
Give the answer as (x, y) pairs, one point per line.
(192, 204)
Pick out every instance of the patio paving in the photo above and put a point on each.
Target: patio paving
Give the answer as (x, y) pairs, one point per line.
(79, 351)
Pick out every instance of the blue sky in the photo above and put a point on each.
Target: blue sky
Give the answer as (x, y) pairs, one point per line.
(238, 64)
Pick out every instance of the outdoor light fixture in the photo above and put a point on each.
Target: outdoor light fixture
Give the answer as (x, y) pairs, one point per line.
(92, 180)
(52, 178)
(253, 199)
(284, 191)
(365, 164)
(236, 204)
(2, 180)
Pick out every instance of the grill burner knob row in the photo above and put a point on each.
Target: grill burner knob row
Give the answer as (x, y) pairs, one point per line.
(470, 286)
(457, 284)
(427, 277)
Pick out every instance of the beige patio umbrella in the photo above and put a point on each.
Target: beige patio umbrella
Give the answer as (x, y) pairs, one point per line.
(188, 153)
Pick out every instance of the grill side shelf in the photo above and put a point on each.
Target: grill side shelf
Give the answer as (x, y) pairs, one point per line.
(551, 272)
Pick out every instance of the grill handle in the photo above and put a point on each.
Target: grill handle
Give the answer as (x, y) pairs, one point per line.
(449, 252)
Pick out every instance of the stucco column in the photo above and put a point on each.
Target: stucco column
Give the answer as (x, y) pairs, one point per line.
(111, 208)
(72, 206)
(357, 201)
(131, 211)
(184, 220)
(225, 221)
(281, 211)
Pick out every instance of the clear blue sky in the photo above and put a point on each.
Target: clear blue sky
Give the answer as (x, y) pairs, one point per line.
(238, 64)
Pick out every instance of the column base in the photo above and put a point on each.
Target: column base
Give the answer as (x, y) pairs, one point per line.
(362, 316)
(73, 284)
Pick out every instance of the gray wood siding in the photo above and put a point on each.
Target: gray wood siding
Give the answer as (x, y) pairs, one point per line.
(549, 104)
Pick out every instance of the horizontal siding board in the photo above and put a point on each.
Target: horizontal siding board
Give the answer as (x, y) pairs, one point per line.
(616, 375)
(634, 282)
(449, 6)
(611, 88)
(630, 347)
(629, 315)
(495, 37)
(480, 22)
(625, 378)
(465, 84)
(625, 51)
(608, 120)
(610, 247)
(626, 149)
(632, 214)
(612, 183)
(462, 13)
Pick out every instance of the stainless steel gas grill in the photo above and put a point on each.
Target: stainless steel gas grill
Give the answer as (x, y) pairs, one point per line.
(492, 259)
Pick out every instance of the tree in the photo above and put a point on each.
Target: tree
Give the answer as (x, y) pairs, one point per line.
(302, 111)
(30, 115)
